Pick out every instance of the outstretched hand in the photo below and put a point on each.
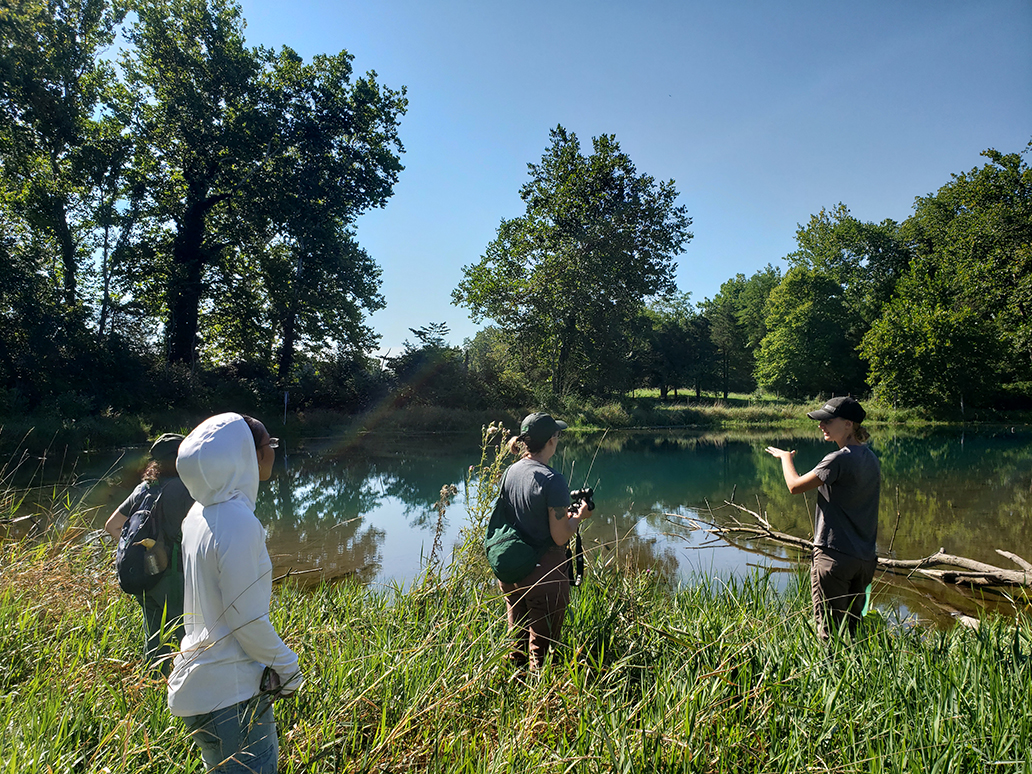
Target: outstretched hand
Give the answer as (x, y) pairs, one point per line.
(781, 454)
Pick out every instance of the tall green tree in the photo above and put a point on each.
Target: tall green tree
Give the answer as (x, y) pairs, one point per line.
(978, 229)
(671, 346)
(53, 101)
(926, 350)
(571, 276)
(737, 317)
(752, 305)
(202, 129)
(494, 357)
(61, 177)
(811, 343)
(806, 351)
(730, 337)
(335, 154)
(960, 321)
(256, 167)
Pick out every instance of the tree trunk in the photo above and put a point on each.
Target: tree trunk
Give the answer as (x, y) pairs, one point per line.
(726, 366)
(560, 369)
(286, 357)
(184, 292)
(63, 234)
(185, 286)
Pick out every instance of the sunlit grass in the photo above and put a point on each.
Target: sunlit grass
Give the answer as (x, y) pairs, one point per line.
(711, 676)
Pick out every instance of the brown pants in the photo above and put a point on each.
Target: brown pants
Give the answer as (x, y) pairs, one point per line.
(838, 583)
(536, 607)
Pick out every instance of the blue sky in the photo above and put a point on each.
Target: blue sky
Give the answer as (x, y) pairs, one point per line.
(761, 112)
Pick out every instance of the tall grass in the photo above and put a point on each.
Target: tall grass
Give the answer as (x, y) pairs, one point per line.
(710, 676)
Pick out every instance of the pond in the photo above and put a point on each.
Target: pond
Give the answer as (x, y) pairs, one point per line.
(366, 507)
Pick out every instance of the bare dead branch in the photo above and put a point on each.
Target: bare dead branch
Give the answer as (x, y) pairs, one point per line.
(945, 568)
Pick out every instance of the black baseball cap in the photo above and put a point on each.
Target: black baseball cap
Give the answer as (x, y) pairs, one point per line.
(845, 407)
(540, 427)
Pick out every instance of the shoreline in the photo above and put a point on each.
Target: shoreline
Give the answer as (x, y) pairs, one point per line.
(47, 434)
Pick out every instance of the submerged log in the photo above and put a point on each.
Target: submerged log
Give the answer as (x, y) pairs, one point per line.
(952, 569)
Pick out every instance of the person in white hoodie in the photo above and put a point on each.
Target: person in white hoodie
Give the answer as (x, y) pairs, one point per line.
(232, 664)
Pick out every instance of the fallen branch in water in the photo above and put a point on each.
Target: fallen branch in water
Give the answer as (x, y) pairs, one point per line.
(963, 572)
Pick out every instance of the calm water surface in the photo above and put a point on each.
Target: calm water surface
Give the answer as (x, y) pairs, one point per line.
(367, 508)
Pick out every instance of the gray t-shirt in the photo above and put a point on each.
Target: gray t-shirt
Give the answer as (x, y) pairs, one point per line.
(531, 489)
(847, 502)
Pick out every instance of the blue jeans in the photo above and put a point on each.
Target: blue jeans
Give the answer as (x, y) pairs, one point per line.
(237, 739)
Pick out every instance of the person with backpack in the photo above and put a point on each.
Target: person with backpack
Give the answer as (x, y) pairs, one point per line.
(539, 499)
(232, 664)
(154, 512)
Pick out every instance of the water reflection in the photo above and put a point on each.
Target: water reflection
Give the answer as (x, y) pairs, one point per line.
(968, 494)
(362, 512)
(368, 510)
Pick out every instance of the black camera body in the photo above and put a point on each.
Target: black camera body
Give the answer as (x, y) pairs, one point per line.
(586, 495)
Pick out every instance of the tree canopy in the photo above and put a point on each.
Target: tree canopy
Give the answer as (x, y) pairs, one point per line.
(959, 323)
(806, 352)
(203, 187)
(571, 275)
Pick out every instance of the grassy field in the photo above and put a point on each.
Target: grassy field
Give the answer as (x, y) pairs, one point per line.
(705, 678)
(710, 676)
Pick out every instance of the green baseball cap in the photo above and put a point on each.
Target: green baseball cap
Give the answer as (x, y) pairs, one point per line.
(540, 427)
(166, 447)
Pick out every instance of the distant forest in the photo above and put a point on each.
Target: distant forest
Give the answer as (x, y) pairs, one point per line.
(180, 223)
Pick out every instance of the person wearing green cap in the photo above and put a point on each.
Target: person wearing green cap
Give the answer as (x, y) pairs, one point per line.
(163, 605)
(539, 497)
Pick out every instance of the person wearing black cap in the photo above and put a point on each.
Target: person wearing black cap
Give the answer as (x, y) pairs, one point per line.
(848, 484)
(540, 498)
(163, 605)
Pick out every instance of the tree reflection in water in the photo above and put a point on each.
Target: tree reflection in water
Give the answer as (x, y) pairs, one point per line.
(370, 510)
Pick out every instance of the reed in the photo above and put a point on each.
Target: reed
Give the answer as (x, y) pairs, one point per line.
(714, 675)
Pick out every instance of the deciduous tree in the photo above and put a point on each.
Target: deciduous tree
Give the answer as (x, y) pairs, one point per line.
(202, 129)
(806, 351)
(53, 99)
(671, 345)
(959, 323)
(734, 361)
(571, 275)
(335, 154)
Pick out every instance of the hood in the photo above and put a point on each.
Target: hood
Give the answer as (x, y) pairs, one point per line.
(217, 461)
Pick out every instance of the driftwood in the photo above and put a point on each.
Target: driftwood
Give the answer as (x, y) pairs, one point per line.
(960, 570)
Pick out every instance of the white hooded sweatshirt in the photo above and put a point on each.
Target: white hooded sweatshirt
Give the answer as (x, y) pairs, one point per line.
(228, 576)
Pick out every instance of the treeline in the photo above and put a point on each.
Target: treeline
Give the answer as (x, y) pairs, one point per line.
(177, 228)
(934, 312)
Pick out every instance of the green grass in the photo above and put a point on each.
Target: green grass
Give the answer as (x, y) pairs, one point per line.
(712, 676)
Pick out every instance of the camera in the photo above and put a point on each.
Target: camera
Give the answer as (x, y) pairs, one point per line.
(586, 495)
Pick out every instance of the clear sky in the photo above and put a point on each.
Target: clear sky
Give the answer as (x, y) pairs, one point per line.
(761, 112)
